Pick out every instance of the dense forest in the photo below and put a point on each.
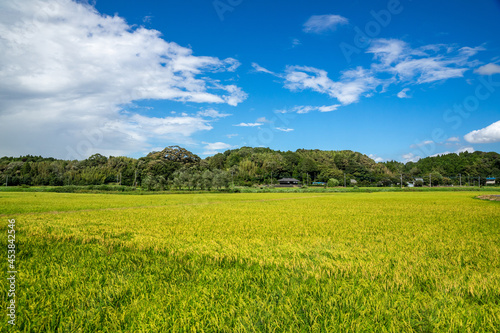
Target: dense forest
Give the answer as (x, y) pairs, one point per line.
(177, 168)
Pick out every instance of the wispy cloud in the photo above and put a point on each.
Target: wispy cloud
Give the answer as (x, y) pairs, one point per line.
(261, 69)
(248, 124)
(322, 23)
(295, 42)
(394, 62)
(421, 144)
(283, 129)
(212, 114)
(403, 93)
(429, 63)
(301, 109)
(352, 84)
(488, 134)
(263, 120)
(213, 148)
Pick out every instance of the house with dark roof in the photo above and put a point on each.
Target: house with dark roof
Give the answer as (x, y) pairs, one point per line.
(288, 182)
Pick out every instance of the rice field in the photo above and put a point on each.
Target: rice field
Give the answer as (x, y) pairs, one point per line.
(268, 262)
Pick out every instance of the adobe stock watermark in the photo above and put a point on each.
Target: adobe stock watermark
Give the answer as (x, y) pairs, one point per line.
(11, 272)
(85, 147)
(461, 111)
(372, 29)
(224, 6)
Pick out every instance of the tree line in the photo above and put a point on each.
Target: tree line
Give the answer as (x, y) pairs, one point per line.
(177, 168)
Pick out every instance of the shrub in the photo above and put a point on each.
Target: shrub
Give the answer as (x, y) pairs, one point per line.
(332, 182)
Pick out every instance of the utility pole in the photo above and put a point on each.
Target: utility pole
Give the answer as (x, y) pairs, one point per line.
(460, 175)
(7, 181)
(401, 181)
(135, 178)
(430, 180)
(232, 177)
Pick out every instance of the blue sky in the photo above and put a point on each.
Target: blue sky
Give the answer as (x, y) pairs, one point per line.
(391, 79)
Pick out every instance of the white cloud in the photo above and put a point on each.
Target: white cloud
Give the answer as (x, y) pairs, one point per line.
(321, 23)
(410, 157)
(283, 129)
(488, 69)
(376, 158)
(248, 124)
(328, 108)
(258, 68)
(402, 93)
(295, 42)
(263, 120)
(65, 70)
(453, 139)
(353, 83)
(213, 148)
(465, 149)
(458, 151)
(429, 63)
(301, 109)
(421, 144)
(231, 135)
(394, 62)
(488, 134)
(212, 114)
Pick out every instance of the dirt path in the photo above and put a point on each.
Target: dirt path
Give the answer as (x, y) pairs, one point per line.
(492, 197)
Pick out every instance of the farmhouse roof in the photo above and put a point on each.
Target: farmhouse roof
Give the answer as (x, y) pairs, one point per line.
(288, 180)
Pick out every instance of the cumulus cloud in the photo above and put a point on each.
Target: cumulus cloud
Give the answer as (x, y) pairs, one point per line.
(488, 69)
(321, 23)
(410, 157)
(66, 69)
(376, 158)
(488, 134)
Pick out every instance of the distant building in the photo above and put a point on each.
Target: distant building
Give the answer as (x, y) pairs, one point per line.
(354, 181)
(319, 183)
(288, 181)
(490, 181)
